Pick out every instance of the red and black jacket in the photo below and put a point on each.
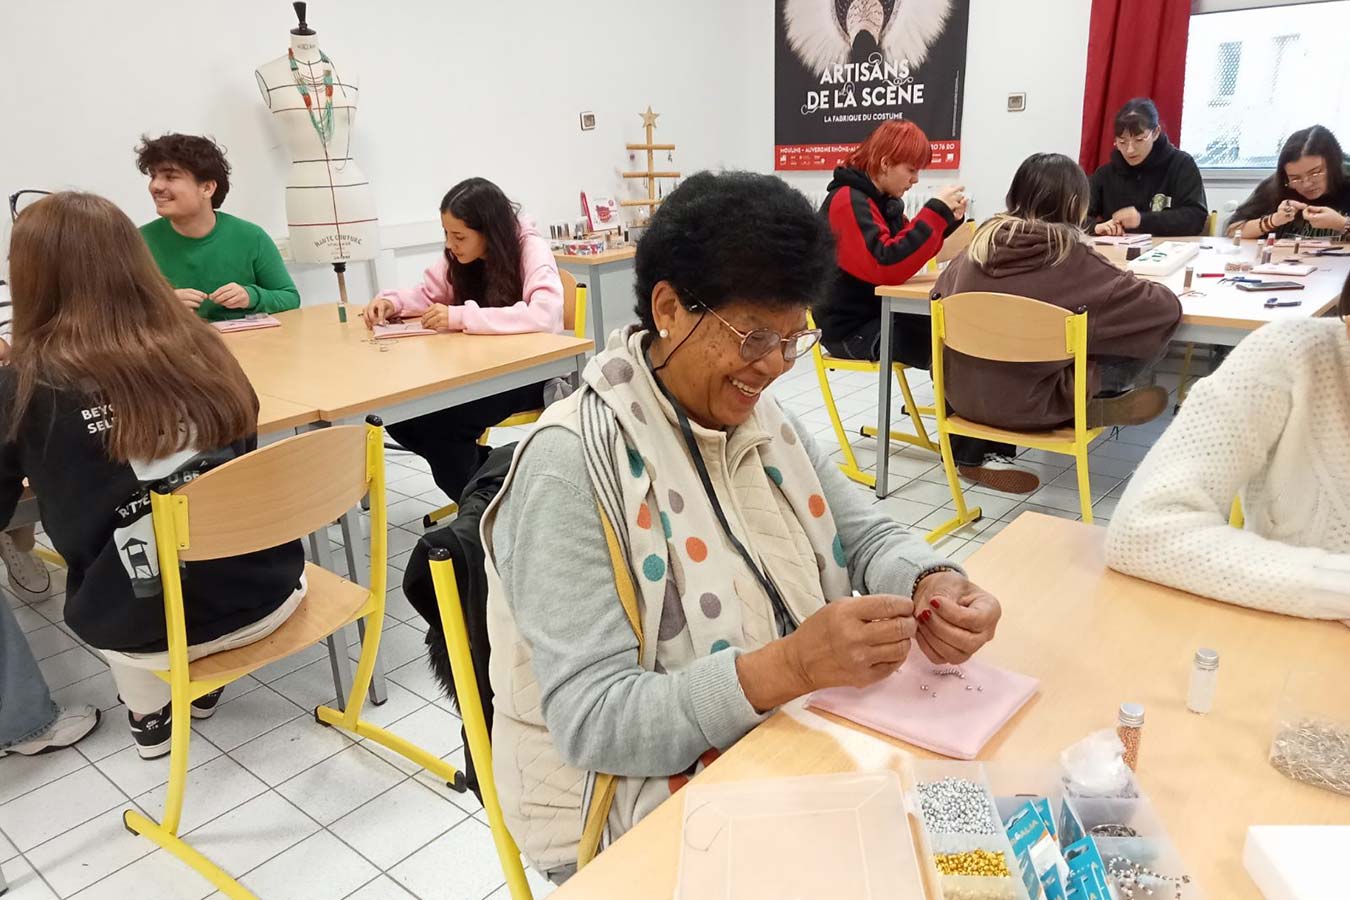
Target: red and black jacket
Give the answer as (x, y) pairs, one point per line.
(874, 244)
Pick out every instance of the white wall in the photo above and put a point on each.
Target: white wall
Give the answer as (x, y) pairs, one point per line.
(453, 88)
(450, 88)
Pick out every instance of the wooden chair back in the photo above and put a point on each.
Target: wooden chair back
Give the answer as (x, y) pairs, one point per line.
(1005, 327)
(569, 283)
(276, 494)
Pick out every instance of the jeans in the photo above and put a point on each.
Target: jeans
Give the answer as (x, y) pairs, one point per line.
(26, 707)
(448, 439)
(912, 345)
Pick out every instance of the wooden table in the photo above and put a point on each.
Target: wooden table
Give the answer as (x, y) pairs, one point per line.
(590, 269)
(1095, 638)
(316, 371)
(277, 415)
(1214, 314)
(313, 360)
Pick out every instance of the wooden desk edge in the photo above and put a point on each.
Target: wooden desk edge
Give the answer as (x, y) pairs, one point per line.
(577, 347)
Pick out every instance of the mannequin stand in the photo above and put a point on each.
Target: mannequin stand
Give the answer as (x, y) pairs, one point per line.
(341, 269)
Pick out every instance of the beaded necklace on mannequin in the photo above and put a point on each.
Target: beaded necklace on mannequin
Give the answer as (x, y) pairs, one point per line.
(322, 122)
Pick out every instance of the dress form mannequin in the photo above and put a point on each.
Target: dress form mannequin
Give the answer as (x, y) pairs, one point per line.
(330, 208)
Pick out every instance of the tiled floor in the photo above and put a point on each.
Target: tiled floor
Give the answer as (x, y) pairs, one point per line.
(299, 811)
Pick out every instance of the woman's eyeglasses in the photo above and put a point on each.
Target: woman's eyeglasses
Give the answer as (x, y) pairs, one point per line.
(1314, 175)
(21, 200)
(759, 343)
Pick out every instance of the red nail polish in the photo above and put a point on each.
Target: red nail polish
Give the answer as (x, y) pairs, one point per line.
(923, 616)
(936, 603)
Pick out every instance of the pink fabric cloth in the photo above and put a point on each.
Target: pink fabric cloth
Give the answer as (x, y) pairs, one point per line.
(957, 723)
(540, 309)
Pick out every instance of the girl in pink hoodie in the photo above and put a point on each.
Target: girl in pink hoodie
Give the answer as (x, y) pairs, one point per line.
(497, 276)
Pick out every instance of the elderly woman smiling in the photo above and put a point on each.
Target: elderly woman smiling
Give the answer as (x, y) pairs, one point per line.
(672, 557)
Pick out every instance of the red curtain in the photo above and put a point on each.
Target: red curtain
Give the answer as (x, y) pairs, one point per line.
(1136, 48)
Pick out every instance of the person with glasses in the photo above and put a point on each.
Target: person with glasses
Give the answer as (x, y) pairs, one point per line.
(1268, 428)
(1308, 196)
(221, 266)
(1148, 186)
(762, 573)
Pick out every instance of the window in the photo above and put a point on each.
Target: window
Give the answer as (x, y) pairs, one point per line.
(1253, 76)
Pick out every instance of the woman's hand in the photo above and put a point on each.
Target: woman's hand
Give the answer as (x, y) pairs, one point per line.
(437, 317)
(852, 642)
(1110, 227)
(1286, 212)
(1127, 218)
(1324, 217)
(955, 617)
(377, 312)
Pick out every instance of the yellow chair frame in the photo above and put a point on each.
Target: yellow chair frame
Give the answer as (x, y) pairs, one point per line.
(471, 711)
(825, 363)
(1009, 328)
(221, 514)
(574, 319)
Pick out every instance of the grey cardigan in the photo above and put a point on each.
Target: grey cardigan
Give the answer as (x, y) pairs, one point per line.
(606, 713)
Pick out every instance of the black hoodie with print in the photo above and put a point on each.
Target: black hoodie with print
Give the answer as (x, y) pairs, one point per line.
(1165, 188)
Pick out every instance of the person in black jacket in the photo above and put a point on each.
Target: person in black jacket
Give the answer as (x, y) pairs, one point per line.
(1148, 186)
(1308, 196)
(876, 244)
(113, 388)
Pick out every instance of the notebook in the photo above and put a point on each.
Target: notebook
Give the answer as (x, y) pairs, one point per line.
(1284, 268)
(400, 330)
(247, 323)
(956, 723)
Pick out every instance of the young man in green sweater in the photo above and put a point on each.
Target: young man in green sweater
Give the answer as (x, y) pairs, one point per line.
(219, 265)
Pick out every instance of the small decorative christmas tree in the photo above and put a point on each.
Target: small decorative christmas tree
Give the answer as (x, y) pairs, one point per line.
(653, 200)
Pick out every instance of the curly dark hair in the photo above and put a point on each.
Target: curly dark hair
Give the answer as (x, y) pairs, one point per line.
(201, 157)
(734, 236)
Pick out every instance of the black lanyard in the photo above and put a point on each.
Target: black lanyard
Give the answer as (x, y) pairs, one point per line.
(782, 616)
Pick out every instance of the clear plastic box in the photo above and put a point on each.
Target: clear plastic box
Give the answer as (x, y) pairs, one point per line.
(844, 835)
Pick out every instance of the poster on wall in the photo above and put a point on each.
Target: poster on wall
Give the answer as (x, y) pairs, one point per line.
(842, 67)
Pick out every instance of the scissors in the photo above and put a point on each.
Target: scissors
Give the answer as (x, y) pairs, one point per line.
(1239, 279)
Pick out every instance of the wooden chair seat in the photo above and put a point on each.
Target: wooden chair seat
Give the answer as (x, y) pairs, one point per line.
(961, 425)
(331, 602)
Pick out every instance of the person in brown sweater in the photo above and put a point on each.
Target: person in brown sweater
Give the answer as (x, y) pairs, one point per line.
(1036, 249)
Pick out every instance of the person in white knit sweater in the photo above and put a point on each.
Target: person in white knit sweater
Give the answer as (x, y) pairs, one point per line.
(1271, 426)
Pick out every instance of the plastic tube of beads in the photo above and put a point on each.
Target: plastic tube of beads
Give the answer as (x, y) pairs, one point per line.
(1130, 728)
(1204, 680)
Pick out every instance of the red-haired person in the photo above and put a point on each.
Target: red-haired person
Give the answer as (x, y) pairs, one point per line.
(876, 244)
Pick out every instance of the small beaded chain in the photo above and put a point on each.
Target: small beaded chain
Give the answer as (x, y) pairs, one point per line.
(1130, 877)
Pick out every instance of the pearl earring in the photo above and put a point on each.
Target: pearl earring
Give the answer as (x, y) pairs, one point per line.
(664, 332)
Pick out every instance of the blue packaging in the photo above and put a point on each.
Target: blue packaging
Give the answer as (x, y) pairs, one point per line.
(1038, 856)
(1087, 873)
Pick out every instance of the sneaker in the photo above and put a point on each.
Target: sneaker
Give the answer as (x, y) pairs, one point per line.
(152, 733)
(998, 473)
(205, 707)
(28, 576)
(72, 723)
(1134, 407)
